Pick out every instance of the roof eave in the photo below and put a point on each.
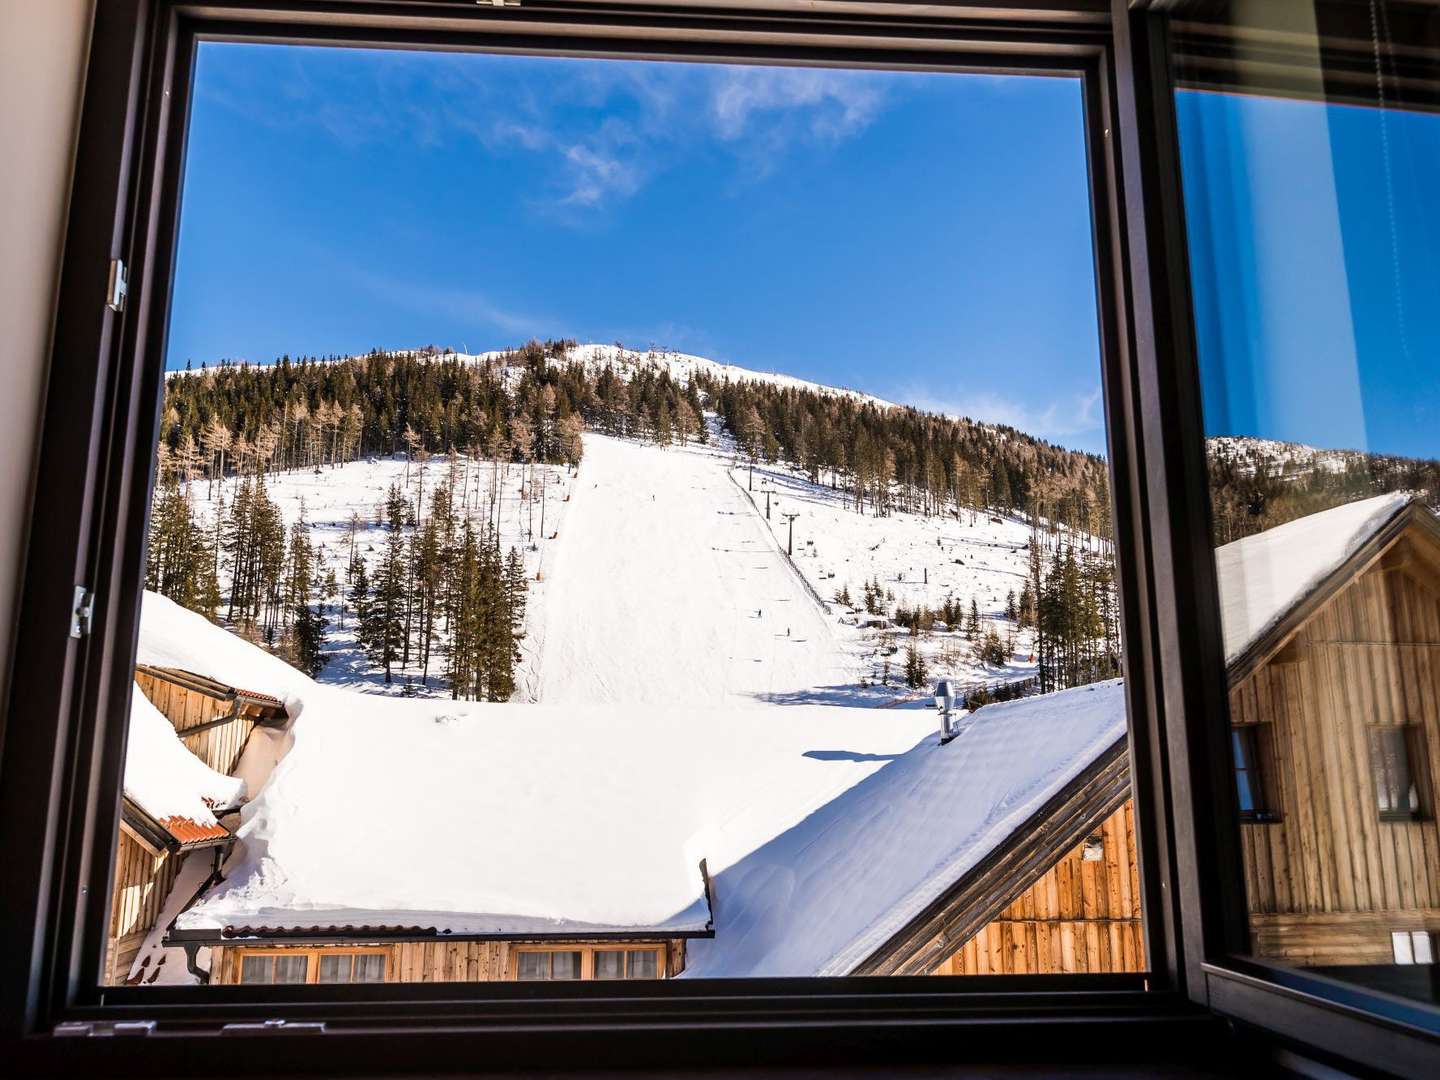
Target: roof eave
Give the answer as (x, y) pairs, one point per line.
(359, 934)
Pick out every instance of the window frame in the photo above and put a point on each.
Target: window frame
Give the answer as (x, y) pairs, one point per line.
(1326, 1015)
(60, 771)
(314, 957)
(1412, 748)
(587, 960)
(1254, 740)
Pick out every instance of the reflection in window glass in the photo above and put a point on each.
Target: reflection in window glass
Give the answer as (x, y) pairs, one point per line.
(640, 520)
(1314, 232)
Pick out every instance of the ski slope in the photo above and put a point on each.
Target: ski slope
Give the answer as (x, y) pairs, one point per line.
(667, 588)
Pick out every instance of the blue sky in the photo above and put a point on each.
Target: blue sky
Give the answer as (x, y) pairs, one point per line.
(1314, 237)
(924, 237)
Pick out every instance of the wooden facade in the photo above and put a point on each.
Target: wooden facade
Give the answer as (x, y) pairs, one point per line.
(441, 961)
(1082, 915)
(1329, 876)
(144, 875)
(149, 854)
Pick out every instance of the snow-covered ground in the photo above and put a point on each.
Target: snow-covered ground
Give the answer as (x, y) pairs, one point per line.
(666, 588)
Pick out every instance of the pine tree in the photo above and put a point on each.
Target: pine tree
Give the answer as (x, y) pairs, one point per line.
(916, 669)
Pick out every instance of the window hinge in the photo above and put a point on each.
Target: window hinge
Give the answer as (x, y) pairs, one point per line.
(119, 285)
(82, 610)
(106, 1029)
(275, 1027)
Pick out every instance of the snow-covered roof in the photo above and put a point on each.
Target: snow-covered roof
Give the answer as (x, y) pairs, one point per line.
(1262, 578)
(170, 783)
(825, 829)
(822, 895)
(173, 637)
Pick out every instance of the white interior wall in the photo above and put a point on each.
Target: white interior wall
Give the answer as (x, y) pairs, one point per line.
(43, 49)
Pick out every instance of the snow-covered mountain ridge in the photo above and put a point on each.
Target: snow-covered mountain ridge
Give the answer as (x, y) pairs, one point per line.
(595, 357)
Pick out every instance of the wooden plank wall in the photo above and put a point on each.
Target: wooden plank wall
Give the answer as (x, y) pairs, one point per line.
(435, 961)
(143, 881)
(219, 747)
(1371, 655)
(1078, 917)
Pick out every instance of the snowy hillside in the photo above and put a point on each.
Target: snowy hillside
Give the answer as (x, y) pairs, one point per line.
(657, 575)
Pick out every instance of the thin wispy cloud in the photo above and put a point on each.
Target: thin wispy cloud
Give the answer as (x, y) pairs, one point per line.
(601, 130)
(1057, 419)
(829, 105)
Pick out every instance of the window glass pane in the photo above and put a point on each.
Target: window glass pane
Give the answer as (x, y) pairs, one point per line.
(256, 969)
(291, 969)
(1389, 761)
(608, 552)
(1313, 229)
(643, 964)
(335, 968)
(370, 968)
(1247, 797)
(1422, 945)
(609, 964)
(565, 965)
(533, 965)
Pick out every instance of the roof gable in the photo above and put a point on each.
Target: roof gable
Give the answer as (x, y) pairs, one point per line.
(1271, 582)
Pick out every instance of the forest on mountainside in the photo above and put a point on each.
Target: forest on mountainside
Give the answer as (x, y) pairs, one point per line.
(443, 582)
(1256, 484)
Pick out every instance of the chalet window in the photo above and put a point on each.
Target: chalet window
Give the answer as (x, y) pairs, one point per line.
(539, 965)
(1249, 746)
(312, 966)
(275, 968)
(627, 963)
(352, 967)
(1413, 946)
(1397, 769)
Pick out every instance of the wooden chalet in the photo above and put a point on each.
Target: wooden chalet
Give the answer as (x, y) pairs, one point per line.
(374, 953)
(1060, 894)
(1335, 711)
(212, 721)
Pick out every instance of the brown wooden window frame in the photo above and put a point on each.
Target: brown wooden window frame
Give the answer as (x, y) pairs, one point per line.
(312, 958)
(587, 961)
